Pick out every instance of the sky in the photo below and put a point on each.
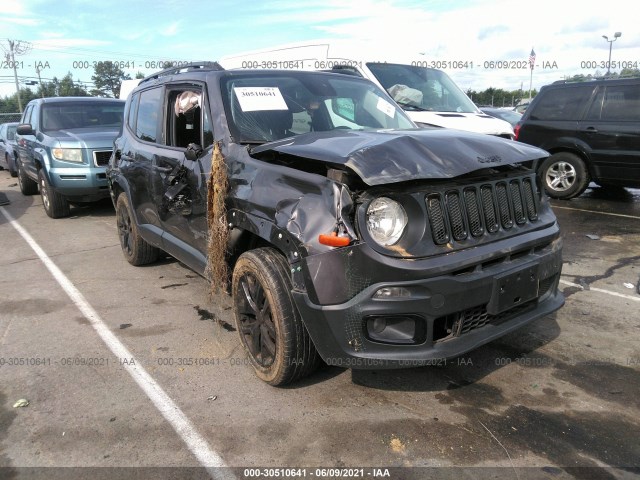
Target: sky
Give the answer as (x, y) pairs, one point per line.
(471, 39)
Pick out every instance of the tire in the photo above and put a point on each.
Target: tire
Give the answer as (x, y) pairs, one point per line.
(55, 204)
(135, 248)
(27, 186)
(268, 322)
(564, 175)
(12, 170)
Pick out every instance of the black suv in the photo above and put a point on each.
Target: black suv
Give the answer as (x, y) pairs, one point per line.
(591, 129)
(349, 232)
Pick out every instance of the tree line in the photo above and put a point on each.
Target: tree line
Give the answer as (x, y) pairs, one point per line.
(106, 79)
(498, 97)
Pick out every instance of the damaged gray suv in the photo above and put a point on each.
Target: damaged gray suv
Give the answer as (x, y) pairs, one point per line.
(342, 231)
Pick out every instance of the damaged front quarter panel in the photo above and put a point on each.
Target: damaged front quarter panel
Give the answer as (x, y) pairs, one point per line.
(286, 206)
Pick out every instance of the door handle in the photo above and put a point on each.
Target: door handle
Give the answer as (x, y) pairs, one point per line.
(162, 169)
(590, 130)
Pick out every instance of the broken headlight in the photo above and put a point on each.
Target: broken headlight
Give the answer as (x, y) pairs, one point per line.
(386, 220)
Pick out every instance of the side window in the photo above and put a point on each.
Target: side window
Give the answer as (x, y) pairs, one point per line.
(26, 116)
(147, 117)
(596, 106)
(562, 103)
(131, 114)
(622, 103)
(185, 117)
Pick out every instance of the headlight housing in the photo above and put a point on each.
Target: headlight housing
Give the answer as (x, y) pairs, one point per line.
(386, 221)
(68, 154)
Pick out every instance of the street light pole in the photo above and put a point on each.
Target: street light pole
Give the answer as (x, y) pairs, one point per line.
(616, 36)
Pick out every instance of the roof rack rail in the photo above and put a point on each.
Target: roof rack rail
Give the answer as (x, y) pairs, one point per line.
(187, 67)
(603, 78)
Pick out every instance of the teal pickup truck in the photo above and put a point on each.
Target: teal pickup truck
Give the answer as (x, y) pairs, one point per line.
(64, 145)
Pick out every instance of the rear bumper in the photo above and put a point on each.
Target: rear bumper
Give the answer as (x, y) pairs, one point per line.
(451, 313)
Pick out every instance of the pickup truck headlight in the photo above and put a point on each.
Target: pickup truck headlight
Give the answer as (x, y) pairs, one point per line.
(386, 220)
(68, 154)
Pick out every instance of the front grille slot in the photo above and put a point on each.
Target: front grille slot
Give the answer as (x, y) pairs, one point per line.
(436, 218)
(470, 211)
(457, 324)
(101, 157)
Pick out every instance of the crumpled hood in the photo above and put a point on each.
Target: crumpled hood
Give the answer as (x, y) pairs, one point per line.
(389, 156)
(96, 137)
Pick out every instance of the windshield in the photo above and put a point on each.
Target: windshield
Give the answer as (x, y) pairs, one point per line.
(418, 88)
(262, 107)
(68, 116)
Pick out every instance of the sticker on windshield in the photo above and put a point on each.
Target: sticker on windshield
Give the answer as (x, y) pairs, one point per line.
(253, 99)
(386, 108)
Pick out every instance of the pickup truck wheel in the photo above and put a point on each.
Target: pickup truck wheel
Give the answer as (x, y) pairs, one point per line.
(564, 175)
(135, 248)
(27, 186)
(55, 204)
(269, 324)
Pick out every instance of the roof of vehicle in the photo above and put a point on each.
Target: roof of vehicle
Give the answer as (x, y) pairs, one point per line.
(593, 81)
(189, 67)
(193, 71)
(75, 100)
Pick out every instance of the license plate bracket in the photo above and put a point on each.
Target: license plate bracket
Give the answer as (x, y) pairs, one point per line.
(513, 288)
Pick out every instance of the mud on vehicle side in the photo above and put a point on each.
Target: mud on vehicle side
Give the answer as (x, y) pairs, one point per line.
(350, 235)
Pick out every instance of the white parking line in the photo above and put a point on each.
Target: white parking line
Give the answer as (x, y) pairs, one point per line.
(595, 211)
(167, 407)
(608, 292)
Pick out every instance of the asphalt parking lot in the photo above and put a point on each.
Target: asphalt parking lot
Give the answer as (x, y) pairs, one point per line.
(141, 367)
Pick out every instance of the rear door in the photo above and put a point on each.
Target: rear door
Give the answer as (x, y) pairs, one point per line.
(611, 128)
(138, 154)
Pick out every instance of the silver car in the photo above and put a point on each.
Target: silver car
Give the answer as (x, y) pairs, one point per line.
(8, 147)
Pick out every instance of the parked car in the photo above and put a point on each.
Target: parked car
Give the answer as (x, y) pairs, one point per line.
(8, 147)
(350, 233)
(591, 129)
(507, 115)
(64, 145)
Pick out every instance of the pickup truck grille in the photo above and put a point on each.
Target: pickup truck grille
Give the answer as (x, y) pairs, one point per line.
(459, 213)
(101, 157)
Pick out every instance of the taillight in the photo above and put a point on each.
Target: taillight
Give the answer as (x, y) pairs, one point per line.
(516, 131)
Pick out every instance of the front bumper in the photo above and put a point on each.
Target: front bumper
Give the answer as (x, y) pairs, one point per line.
(84, 183)
(454, 312)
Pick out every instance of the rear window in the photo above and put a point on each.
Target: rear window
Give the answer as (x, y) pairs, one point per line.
(562, 103)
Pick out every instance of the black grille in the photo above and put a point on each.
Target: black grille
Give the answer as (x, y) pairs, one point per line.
(457, 324)
(100, 159)
(458, 213)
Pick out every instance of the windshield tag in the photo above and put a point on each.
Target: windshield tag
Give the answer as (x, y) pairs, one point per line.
(385, 107)
(260, 98)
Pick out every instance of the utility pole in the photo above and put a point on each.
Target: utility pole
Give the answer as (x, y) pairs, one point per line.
(16, 47)
(40, 80)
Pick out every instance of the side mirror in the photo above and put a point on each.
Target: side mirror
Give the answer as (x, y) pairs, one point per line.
(25, 129)
(193, 151)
